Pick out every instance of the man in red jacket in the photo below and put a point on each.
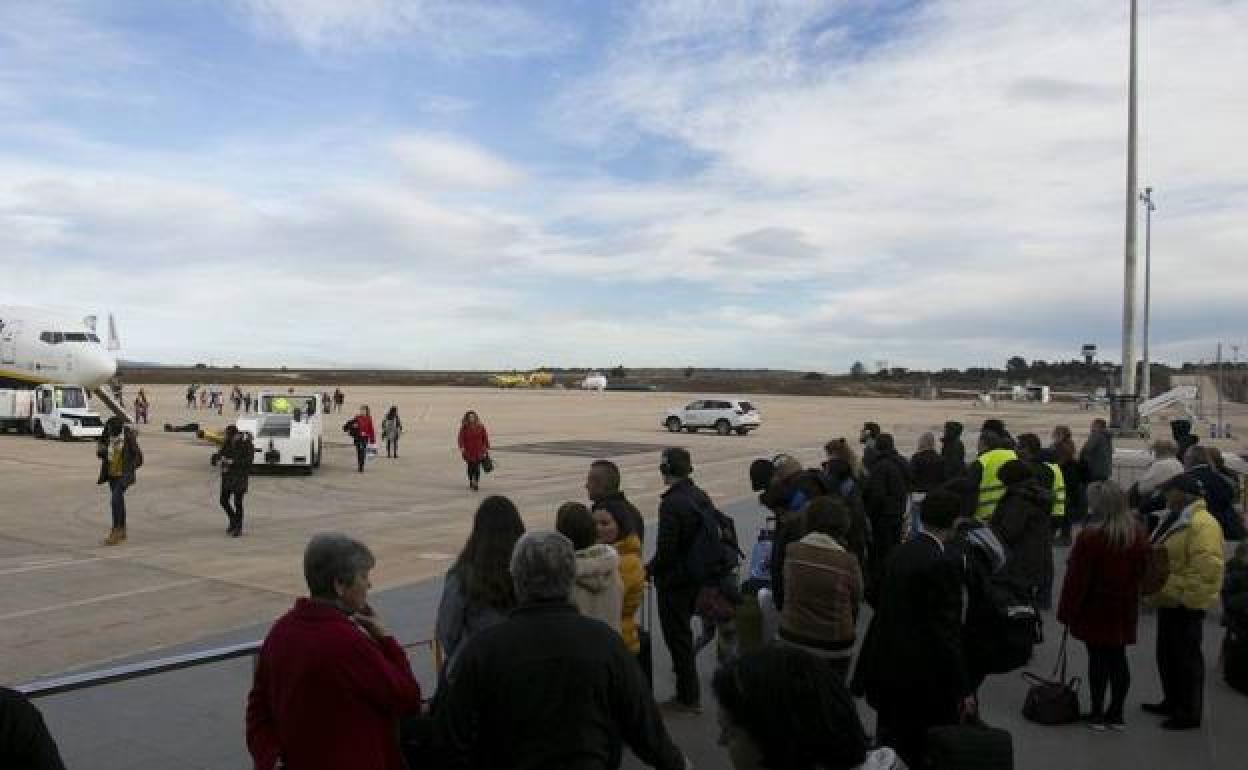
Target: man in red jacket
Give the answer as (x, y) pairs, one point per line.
(331, 681)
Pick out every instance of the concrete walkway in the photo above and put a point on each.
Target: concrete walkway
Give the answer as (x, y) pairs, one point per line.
(193, 719)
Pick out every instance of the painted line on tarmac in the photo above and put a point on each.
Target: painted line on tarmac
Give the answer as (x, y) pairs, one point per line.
(100, 599)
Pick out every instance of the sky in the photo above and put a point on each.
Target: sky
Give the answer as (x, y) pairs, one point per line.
(464, 184)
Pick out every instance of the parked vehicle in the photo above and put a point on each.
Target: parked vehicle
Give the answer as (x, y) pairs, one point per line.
(286, 430)
(722, 415)
(50, 411)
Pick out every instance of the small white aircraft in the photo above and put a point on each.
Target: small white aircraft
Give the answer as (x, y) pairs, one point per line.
(42, 347)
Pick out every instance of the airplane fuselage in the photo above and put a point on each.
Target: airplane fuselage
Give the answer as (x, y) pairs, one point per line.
(38, 347)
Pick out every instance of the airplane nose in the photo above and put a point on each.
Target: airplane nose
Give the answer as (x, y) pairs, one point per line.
(98, 367)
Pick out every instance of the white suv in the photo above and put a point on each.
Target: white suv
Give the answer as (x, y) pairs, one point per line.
(724, 416)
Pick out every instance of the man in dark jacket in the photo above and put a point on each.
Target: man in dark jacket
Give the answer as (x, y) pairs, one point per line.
(235, 459)
(867, 437)
(887, 496)
(952, 450)
(603, 486)
(120, 459)
(1097, 455)
(548, 687)
(680, 517)
(1218, 493)
(1023, 524)
(1182, 432)
(912, 668)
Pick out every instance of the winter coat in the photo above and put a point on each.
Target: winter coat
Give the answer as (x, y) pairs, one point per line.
(823, 586)
(680, 514)
(888, 490)
(1097, 456)
(1023, 524)
(131, 457)
(952, 451)
(25, 741)
(549, 688)
(599, 589)
(1194, 544)
(1100, 600)
(326, 695)
(927, 471)
(912, 660)
(458, 618)
(633, 576)
(474, 442)
(361, 429)
(236, 465)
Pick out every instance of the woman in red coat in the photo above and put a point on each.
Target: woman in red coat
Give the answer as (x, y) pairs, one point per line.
(474, 446)
(1101, 597)
(363, 434)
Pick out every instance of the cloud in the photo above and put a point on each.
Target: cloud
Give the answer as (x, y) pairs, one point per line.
(453, 29)
(444, 160)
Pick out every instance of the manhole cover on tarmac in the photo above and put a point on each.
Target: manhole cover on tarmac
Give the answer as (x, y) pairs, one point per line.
(582, 448)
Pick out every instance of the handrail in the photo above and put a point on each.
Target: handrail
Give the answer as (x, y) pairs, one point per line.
(43, 688)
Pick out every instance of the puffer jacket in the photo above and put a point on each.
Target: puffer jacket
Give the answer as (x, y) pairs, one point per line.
(599, 590)
(1194, 545)
(633, 575)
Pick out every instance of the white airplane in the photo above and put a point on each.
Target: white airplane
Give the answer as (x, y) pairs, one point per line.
(42, 347)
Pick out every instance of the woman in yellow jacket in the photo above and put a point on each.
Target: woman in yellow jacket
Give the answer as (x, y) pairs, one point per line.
(618, 532)
(1192, 539)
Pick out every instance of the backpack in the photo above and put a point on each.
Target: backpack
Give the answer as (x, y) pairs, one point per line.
(715, 553)
(1003, 625)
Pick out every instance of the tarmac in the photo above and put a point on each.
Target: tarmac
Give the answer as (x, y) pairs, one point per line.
(180, 584)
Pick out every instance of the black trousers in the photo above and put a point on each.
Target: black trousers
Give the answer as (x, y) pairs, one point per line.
(117, 502)
(392, 447)
(1108, 669)
(1180, 661)
(474, 471)
(234, 511)
(361, 453)
(676, 607)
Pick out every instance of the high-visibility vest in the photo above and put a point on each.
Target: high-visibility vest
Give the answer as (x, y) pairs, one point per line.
(991, 490)
(1059, 491)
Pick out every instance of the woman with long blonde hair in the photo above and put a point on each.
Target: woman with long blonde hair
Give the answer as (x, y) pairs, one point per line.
(1101, 597)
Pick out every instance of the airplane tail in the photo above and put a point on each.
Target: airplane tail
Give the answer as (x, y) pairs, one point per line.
(114, 341)
(105, 396)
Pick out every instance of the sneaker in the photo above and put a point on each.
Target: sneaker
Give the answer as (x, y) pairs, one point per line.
(1117, 724)
(114, 537)
(677, 706)
(1095, 724)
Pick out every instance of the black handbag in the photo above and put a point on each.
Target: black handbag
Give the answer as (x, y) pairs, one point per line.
(1053, 701)
(487, 464)
(969, 746)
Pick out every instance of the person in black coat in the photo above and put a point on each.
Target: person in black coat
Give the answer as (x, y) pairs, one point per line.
(1219, 492)
(548, 687)
(680, 512)
(235, 459)
(927, 467)
(1023, 524)
(887, 496)
(912, 667)
(952, 450)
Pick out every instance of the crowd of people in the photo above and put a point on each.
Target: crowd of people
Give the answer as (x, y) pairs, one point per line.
(542, 633)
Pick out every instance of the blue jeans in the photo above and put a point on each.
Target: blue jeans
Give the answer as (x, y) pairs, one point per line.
(117, 501)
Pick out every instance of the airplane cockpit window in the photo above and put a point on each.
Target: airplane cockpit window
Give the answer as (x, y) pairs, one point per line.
(76, 337)
(93, 338)
(52, 338)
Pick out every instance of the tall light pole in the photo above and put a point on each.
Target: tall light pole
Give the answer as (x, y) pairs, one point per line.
(1146, 379)
(1127, 415)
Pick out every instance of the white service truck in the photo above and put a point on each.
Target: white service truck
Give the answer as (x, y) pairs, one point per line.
(286, 430)
(48, 411)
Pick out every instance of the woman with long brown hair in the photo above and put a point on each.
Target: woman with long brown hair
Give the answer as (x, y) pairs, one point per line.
(1101, 598)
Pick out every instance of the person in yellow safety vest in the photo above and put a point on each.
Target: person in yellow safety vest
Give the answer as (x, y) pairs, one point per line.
(1031, 451)
(985, 473)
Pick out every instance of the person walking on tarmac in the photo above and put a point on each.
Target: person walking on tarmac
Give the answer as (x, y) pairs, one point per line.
(391, 430)
(680, 518)
(363, 434)
(120, 459)
(474, 447)
(235, 461)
